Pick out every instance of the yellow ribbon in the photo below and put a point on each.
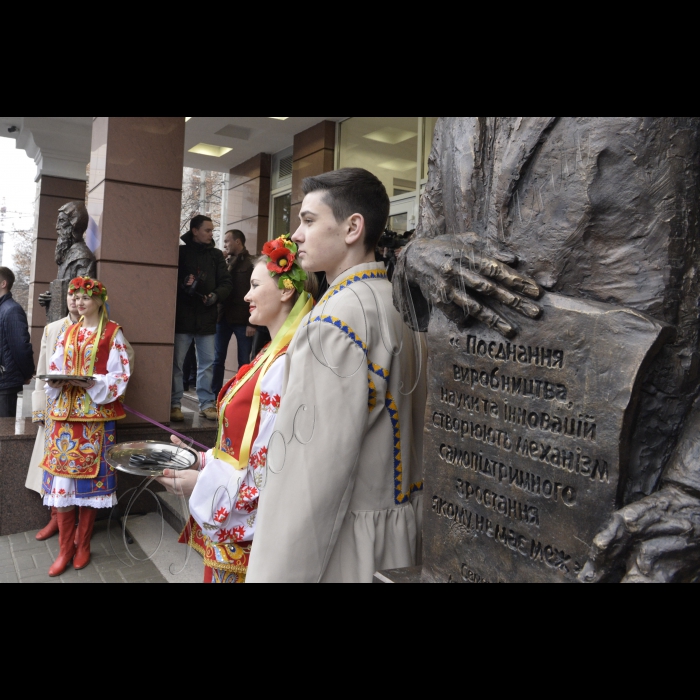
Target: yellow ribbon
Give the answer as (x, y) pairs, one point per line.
(302, 308)
(73, 338)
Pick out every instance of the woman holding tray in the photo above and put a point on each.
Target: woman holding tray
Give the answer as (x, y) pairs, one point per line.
(84, 411)
(226, 490)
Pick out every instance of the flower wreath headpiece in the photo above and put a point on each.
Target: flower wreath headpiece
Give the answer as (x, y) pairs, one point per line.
(88, 286)
(283, 263)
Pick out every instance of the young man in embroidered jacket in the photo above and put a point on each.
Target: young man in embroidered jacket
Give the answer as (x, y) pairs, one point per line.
(343, 496)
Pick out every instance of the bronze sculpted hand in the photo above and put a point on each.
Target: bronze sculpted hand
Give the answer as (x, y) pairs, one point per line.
(656, 540)
(45, 300)
(457, 275)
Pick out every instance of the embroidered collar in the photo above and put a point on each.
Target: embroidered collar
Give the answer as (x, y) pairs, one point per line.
(362, 273)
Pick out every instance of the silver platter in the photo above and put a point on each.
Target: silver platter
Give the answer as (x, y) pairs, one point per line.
(119, 456)
(62, 378)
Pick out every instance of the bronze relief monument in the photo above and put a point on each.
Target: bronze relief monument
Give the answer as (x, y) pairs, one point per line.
(557, 271)
(73, 257)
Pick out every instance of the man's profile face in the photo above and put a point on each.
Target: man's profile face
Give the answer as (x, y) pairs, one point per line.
(232, 246)
(72, 306)
(64, 226)
(205, 234)
(228, 244)
(321, 239)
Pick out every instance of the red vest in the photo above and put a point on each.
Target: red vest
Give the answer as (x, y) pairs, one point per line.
(238, 410)
(74, 404)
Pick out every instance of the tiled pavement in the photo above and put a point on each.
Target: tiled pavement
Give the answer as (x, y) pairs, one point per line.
(24, 560)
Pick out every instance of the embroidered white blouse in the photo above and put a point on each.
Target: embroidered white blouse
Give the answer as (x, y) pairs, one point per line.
(108, 387)
(237, 521)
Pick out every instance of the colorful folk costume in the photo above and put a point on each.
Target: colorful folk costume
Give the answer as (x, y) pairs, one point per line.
(76, 473)
(343, 497)
(224, 504)
(41, 414)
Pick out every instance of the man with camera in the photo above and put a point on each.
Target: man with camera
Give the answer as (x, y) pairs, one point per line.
(203, 282)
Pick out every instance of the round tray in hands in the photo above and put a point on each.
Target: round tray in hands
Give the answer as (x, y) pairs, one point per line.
(63, 378)
(120, 457)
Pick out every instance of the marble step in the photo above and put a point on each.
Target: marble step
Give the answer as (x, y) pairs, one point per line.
(172, 511)
(159, 542)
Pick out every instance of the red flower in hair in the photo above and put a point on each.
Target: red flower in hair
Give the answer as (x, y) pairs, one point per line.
(281, 261)
(271, 246)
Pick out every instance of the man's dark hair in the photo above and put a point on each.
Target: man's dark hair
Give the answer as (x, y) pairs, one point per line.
(354, 191)
(237, 236)
(198, 222)
(6, 275)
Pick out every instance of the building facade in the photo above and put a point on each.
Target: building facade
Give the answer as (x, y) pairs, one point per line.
(130, 172)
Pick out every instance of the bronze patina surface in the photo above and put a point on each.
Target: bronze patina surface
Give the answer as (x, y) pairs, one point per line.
(593, 209)
(527, 441)
(73, 257)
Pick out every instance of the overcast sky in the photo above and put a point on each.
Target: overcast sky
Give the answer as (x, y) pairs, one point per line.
(17, 193)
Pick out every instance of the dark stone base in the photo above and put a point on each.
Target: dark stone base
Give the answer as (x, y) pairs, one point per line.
(22, 510)
(399, 576)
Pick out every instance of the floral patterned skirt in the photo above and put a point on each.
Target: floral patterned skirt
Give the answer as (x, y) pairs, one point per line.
(98, 493)
(224, 563)
(215, 576)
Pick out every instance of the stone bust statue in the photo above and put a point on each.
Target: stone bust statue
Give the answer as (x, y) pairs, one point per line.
(605, 209)
(73, 257)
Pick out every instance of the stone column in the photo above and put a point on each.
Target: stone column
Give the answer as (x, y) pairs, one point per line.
(135, 198)
(314, 154)
(249, 200)
(52, 194)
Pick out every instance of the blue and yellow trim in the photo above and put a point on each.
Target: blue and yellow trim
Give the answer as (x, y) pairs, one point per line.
(373, 394)
(400, 497)
(372, 402)
(371, 366)
(379, 371)
(331, 320)
(366, 276)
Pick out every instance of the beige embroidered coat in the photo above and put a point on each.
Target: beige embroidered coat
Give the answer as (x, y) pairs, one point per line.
(343, 496)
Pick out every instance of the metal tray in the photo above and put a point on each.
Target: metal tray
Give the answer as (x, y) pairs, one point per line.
(61, 378)
(118, 457)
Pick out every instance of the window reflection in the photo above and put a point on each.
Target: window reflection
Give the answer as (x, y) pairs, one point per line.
(281, 215)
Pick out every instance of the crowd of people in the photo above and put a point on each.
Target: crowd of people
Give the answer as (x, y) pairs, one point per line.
(316, 474)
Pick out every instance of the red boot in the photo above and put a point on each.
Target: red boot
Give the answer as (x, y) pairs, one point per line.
(85, 528)
(51, 529)
(66, 539)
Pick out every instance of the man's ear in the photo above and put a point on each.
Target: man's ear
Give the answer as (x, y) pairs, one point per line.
(356, 230)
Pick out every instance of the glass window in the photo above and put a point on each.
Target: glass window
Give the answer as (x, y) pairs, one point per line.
(386, 146)
(398, 223)
(428, 134)
(281, 215)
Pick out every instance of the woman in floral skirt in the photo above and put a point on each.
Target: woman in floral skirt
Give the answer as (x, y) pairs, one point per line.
(83, 415)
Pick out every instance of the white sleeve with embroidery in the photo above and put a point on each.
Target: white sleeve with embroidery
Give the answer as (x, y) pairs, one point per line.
(239, 526)
(111, 386)
(56, 366)
(108, 387)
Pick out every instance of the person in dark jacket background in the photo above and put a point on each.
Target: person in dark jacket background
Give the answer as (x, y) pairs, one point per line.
(16, 355)
(234, 313)
(203, 282)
